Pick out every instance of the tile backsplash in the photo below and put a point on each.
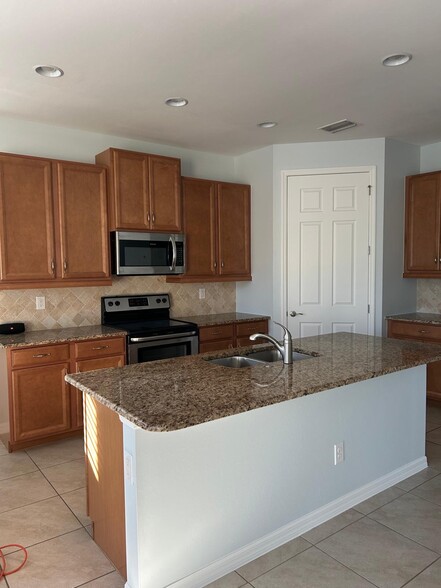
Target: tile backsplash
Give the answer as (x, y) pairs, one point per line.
(73, 307)
(429, 296)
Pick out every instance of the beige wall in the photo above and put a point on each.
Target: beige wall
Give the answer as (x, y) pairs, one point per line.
(72, 307)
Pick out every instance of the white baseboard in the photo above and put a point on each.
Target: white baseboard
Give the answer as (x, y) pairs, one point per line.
(249, 552)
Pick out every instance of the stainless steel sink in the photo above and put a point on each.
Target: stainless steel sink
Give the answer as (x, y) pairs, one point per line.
(256, 358)
(270, 355)
(237, 361)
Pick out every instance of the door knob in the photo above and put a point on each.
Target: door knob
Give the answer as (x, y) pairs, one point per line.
(294, 313)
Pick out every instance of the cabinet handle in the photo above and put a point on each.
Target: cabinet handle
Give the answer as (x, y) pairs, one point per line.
(153, 217)
(148, 217)
(215, 332)
(65, 265)
(53, 266)
(435, 260)
(222, 264)
(100, 347)
(422, 331)
(41, 355)
(215, 264)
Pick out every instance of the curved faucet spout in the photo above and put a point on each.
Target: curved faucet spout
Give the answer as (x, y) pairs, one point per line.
(285, 350)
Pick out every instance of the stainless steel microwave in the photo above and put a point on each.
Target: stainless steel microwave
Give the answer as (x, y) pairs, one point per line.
(145, 254)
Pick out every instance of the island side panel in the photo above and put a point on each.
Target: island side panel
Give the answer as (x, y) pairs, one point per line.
(219, 494)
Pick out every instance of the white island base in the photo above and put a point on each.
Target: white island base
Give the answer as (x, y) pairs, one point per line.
(203, 501)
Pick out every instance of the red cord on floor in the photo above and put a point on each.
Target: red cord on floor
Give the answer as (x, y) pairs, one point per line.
(3, 571)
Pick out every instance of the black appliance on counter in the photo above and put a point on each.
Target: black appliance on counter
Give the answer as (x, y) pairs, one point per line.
(152, 334)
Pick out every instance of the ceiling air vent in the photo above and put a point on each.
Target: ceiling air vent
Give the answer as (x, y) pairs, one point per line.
(336, 127)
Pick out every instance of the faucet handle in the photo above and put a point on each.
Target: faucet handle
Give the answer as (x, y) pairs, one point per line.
(286, 333)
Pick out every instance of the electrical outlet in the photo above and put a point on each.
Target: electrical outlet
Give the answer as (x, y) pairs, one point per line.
(128, 467)
(339, 453)
(40, 302)
(201, 293)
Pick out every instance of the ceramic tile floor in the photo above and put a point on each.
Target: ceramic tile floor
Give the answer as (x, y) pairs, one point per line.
(388, 541)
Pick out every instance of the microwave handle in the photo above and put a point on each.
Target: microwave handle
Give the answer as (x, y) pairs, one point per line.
(173, 263)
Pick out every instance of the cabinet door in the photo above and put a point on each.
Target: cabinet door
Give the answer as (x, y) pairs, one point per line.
(422, 239)
(82, 202)
(165, 193)
(199, 205)
(234, 230)
(26, 217)
(130, 176)
(40, 402)
(88, 365)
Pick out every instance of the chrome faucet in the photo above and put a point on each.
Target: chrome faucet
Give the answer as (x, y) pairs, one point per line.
(285, 350)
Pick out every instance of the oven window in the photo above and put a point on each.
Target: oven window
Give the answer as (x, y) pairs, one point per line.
(144, 253)
(163, 351)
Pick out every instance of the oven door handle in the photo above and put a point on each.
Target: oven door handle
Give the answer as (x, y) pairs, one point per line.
(160, 337)
(174, 253)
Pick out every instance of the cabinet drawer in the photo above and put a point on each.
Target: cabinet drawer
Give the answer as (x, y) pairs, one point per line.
(216, 345)
(216, 332)
(99, 347)
(247, 329)
(415, 331)
(43, 354)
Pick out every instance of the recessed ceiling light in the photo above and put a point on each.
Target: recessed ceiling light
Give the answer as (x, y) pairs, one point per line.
(176, 102)
(49, 71)
(396, 59)
(267, 125)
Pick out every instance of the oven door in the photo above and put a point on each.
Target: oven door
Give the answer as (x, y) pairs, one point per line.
(142, 349)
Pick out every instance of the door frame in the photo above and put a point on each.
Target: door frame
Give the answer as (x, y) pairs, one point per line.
(372, 170)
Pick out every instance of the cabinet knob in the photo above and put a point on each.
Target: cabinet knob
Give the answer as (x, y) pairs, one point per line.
(215, 264)
(435, 260)
(53, 266)
(65, 264)
(422, 331)
(222, 264)
(153, 217)
(148, 217)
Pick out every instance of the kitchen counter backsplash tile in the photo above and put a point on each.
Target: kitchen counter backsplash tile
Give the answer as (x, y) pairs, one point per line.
(49, 336)
(208, 320)
(75, 307)
(429, 296)
(177, 393)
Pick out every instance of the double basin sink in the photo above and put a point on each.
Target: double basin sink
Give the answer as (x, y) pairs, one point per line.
(256, 358)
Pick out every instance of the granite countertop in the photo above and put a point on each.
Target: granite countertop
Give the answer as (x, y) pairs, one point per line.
(173, 394)
(48, 336)
(208, 320)
(418, 317)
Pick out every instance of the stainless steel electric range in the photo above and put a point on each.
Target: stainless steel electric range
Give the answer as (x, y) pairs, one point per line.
(152, 334)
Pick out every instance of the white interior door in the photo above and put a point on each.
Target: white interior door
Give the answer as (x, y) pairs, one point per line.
(328, 253)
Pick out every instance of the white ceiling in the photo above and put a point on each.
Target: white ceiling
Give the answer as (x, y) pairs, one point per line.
(303, 63)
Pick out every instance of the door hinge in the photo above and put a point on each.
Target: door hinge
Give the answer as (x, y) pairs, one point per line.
(369, 309)
(369, 249)
(370, 189)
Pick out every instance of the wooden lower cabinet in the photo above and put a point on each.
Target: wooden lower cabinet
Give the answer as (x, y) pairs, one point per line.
(220, 337)
(427, 333)
(103, 437)
(40, 401)
(43, 407)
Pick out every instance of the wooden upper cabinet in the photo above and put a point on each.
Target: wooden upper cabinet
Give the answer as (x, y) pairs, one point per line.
(144, 191)
(82, 206)
(199, 206)
(165, 193)
(233, 203)
(422, 232)
(217, 231)
(26, 215)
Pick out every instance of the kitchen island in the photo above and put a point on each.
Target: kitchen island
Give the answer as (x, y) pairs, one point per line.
(212, 483)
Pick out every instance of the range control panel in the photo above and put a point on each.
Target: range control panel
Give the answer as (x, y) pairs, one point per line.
(138, 302)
